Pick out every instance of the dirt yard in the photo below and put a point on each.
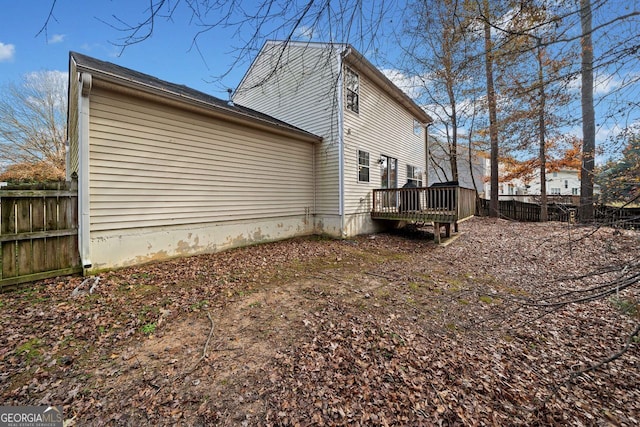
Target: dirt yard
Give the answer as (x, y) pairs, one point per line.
(379, 330)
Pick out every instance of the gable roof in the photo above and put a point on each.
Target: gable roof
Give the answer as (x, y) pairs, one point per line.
(145, 82)
(356, 60)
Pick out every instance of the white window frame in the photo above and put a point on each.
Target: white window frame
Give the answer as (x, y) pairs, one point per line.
(412, 173)
(352, 90)
(366, 166)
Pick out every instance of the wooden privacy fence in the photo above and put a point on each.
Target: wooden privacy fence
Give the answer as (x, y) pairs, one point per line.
(530, 212)
(38, 232)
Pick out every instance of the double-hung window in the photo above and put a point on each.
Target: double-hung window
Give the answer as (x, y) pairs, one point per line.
(363, 166)
(352, 86)
(414, 175)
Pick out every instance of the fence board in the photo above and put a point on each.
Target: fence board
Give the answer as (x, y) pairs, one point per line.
(23, 225)
(37, 226)
(38, 233)
(63, 223)
(51, 243)
(8, 249)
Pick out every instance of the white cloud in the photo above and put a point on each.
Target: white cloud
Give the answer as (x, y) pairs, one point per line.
(603, 84)
(47, 75)
(51, 82)
(304, 32)
(411, 85)
(57, 38)
(6, 52)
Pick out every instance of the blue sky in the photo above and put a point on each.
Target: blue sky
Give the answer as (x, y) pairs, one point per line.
(166, 54)
(77, 27)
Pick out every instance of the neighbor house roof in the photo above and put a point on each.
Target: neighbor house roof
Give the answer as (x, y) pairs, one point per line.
(118, 74)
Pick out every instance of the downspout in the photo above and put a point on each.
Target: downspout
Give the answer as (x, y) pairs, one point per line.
(426, 164)
(315, 187)
(341, 148)
(67, 160)
(83, 168)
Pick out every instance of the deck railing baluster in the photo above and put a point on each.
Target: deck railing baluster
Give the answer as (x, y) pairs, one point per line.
(425, 204)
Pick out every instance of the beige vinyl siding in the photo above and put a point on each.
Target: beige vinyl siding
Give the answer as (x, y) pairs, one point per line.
(154, 165)
(382, 127)
(72, 121)
(301, 91)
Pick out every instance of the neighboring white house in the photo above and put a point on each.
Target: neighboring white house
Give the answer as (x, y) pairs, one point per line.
(563, 182)
(373, 133)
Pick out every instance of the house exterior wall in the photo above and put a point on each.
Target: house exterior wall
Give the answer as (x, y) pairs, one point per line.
(298, 86)
(382, 126)
(304, 85)
(169, 182)
(565, 182)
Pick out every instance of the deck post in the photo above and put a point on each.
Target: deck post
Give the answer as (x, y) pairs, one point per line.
(436, 232)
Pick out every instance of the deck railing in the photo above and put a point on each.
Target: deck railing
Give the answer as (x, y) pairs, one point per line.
(440, 204)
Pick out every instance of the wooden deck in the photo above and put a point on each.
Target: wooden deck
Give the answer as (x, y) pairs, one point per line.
(442, 206)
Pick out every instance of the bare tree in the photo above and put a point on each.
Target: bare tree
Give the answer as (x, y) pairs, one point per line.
(531, 78)
(439, 47)
(588, 114)
(33, 122)
(493, 116)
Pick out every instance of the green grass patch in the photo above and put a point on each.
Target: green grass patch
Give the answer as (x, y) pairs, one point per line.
(149, 328)
(30, 350)
(486, 299)
(626, 306)
(199, 305)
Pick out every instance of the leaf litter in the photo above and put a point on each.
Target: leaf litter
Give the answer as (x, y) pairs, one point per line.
(377, 330)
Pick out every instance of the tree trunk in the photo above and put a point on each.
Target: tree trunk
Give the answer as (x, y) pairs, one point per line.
(588, 115)
(493, 120)
(541, 134)
(453, 147)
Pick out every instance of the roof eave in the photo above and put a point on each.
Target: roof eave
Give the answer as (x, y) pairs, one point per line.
(358, 61)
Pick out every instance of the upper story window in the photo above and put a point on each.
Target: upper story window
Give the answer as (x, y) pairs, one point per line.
(363, 166)
(414, 175)
(352, 85)
(417, 127)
